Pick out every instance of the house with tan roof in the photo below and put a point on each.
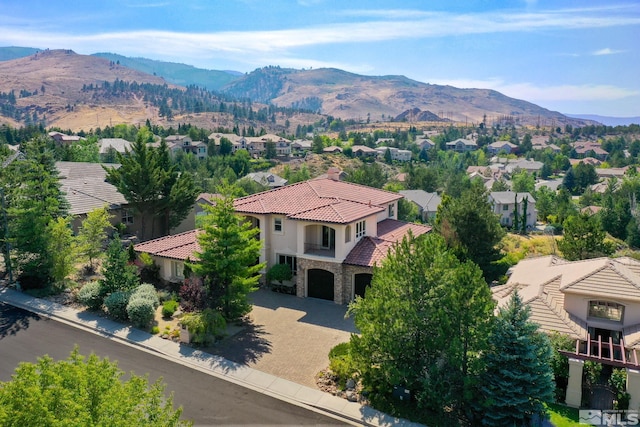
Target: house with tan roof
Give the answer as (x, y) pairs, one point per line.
(184, 143)
(331, 233)
(86, 189)
(595, 301)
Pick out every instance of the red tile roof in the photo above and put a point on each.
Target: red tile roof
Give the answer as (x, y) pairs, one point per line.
(371, 250)
(178, 246)
(323, 200)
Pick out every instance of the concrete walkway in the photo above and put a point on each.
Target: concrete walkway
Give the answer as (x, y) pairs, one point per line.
(349, 412)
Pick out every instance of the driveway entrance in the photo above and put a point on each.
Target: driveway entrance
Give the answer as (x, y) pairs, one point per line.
(287, 336)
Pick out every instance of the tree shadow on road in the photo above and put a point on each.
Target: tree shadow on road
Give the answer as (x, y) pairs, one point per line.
(247, 346)
(13, 320)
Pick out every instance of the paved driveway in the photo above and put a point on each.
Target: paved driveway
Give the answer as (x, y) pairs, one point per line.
(287, 336)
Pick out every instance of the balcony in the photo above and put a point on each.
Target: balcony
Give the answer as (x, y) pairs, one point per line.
(319, 250)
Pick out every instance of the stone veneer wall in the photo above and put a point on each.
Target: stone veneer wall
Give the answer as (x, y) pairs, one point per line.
(349, 272)
(342, 278)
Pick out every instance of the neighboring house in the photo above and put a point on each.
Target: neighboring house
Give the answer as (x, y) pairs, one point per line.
(171, 252)
(237, 142)
(587, 161)
(595, 301)
(384, 141)
(582, 149)
(425, 143)
(329, 232)
(177, 143)
(611, 172)
(267, 179)
(531, 166)
(86, 189)
(190, 222)
(300, 146)
(363, 151)
(64, 139)
(504, 205)
(396, 153)
(504, 146)
(332, 149)
(461, 145)
(427, 202)
(257, 145)
(106, 146)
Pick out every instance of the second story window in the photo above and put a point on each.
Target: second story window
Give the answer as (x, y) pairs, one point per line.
(361, 229)
(606, 310)
(391, 210)
(347, 234)
(505, 207)
(277, 225)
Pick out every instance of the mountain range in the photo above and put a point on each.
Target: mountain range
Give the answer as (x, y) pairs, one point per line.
(63, 74)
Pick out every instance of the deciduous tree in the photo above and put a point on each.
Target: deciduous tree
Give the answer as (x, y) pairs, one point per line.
(93, 235)
(83, 391)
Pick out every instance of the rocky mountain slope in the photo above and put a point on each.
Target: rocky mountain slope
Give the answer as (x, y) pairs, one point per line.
(346, 95)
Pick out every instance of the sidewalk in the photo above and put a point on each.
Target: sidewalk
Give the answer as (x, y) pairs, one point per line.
(217, 366)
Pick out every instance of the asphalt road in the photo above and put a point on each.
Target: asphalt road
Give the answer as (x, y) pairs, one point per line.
(206, 400)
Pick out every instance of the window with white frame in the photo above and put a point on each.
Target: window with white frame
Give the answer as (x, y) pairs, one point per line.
(347, 234)
(277, 224)
(291, 261)
(127, 216)
(391, 210)
(361, 229)
(606, 310)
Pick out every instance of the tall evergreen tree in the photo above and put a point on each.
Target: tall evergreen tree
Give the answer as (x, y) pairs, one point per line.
(422, 324)
(138, 180)
(583, 238)
(518, 377)
(227, 261)
(34, 199)
(470, 227)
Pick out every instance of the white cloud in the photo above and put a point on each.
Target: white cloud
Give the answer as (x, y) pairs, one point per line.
(394, 24)
(606, 51)
(536, 93)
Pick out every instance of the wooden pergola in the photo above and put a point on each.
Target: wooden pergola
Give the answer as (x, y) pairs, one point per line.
(605, 352)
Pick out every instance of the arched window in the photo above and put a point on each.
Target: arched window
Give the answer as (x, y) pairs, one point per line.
(606, 310)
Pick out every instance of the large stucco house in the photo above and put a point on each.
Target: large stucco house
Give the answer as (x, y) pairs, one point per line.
(596, 302)
(331, 233)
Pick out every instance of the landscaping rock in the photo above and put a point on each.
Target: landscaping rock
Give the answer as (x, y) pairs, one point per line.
(351, 384)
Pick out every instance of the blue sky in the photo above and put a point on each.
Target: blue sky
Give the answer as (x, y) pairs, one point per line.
(579, 56)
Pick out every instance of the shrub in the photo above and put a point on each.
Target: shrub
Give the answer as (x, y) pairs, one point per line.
(116, 304)
(169, 307)
(140, 311)
(204, 325)
(148, 292)
(193, 295)
(150, 271)
(155, 330)
(280, 273)
(340, 363)
(91, 295)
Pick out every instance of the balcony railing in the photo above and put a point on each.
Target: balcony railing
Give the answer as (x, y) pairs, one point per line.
(319, 250)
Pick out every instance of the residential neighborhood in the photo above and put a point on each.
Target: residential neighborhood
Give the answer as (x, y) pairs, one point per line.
(325, 219)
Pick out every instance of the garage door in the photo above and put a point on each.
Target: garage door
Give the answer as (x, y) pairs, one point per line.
(320, 284)
(362, 282)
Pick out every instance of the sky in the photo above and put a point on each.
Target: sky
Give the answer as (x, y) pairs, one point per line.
(571, 56)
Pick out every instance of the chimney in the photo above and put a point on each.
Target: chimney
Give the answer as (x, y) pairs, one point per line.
(334, 173)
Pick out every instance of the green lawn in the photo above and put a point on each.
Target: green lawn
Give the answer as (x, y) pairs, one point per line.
(563, 416)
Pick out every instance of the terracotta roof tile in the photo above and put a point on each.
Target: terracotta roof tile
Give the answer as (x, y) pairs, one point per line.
(318, 200)
(178, 246)
(371, 250)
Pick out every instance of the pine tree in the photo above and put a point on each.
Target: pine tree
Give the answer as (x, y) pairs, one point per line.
(227, 261)
(518, 379)
(118, 274)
